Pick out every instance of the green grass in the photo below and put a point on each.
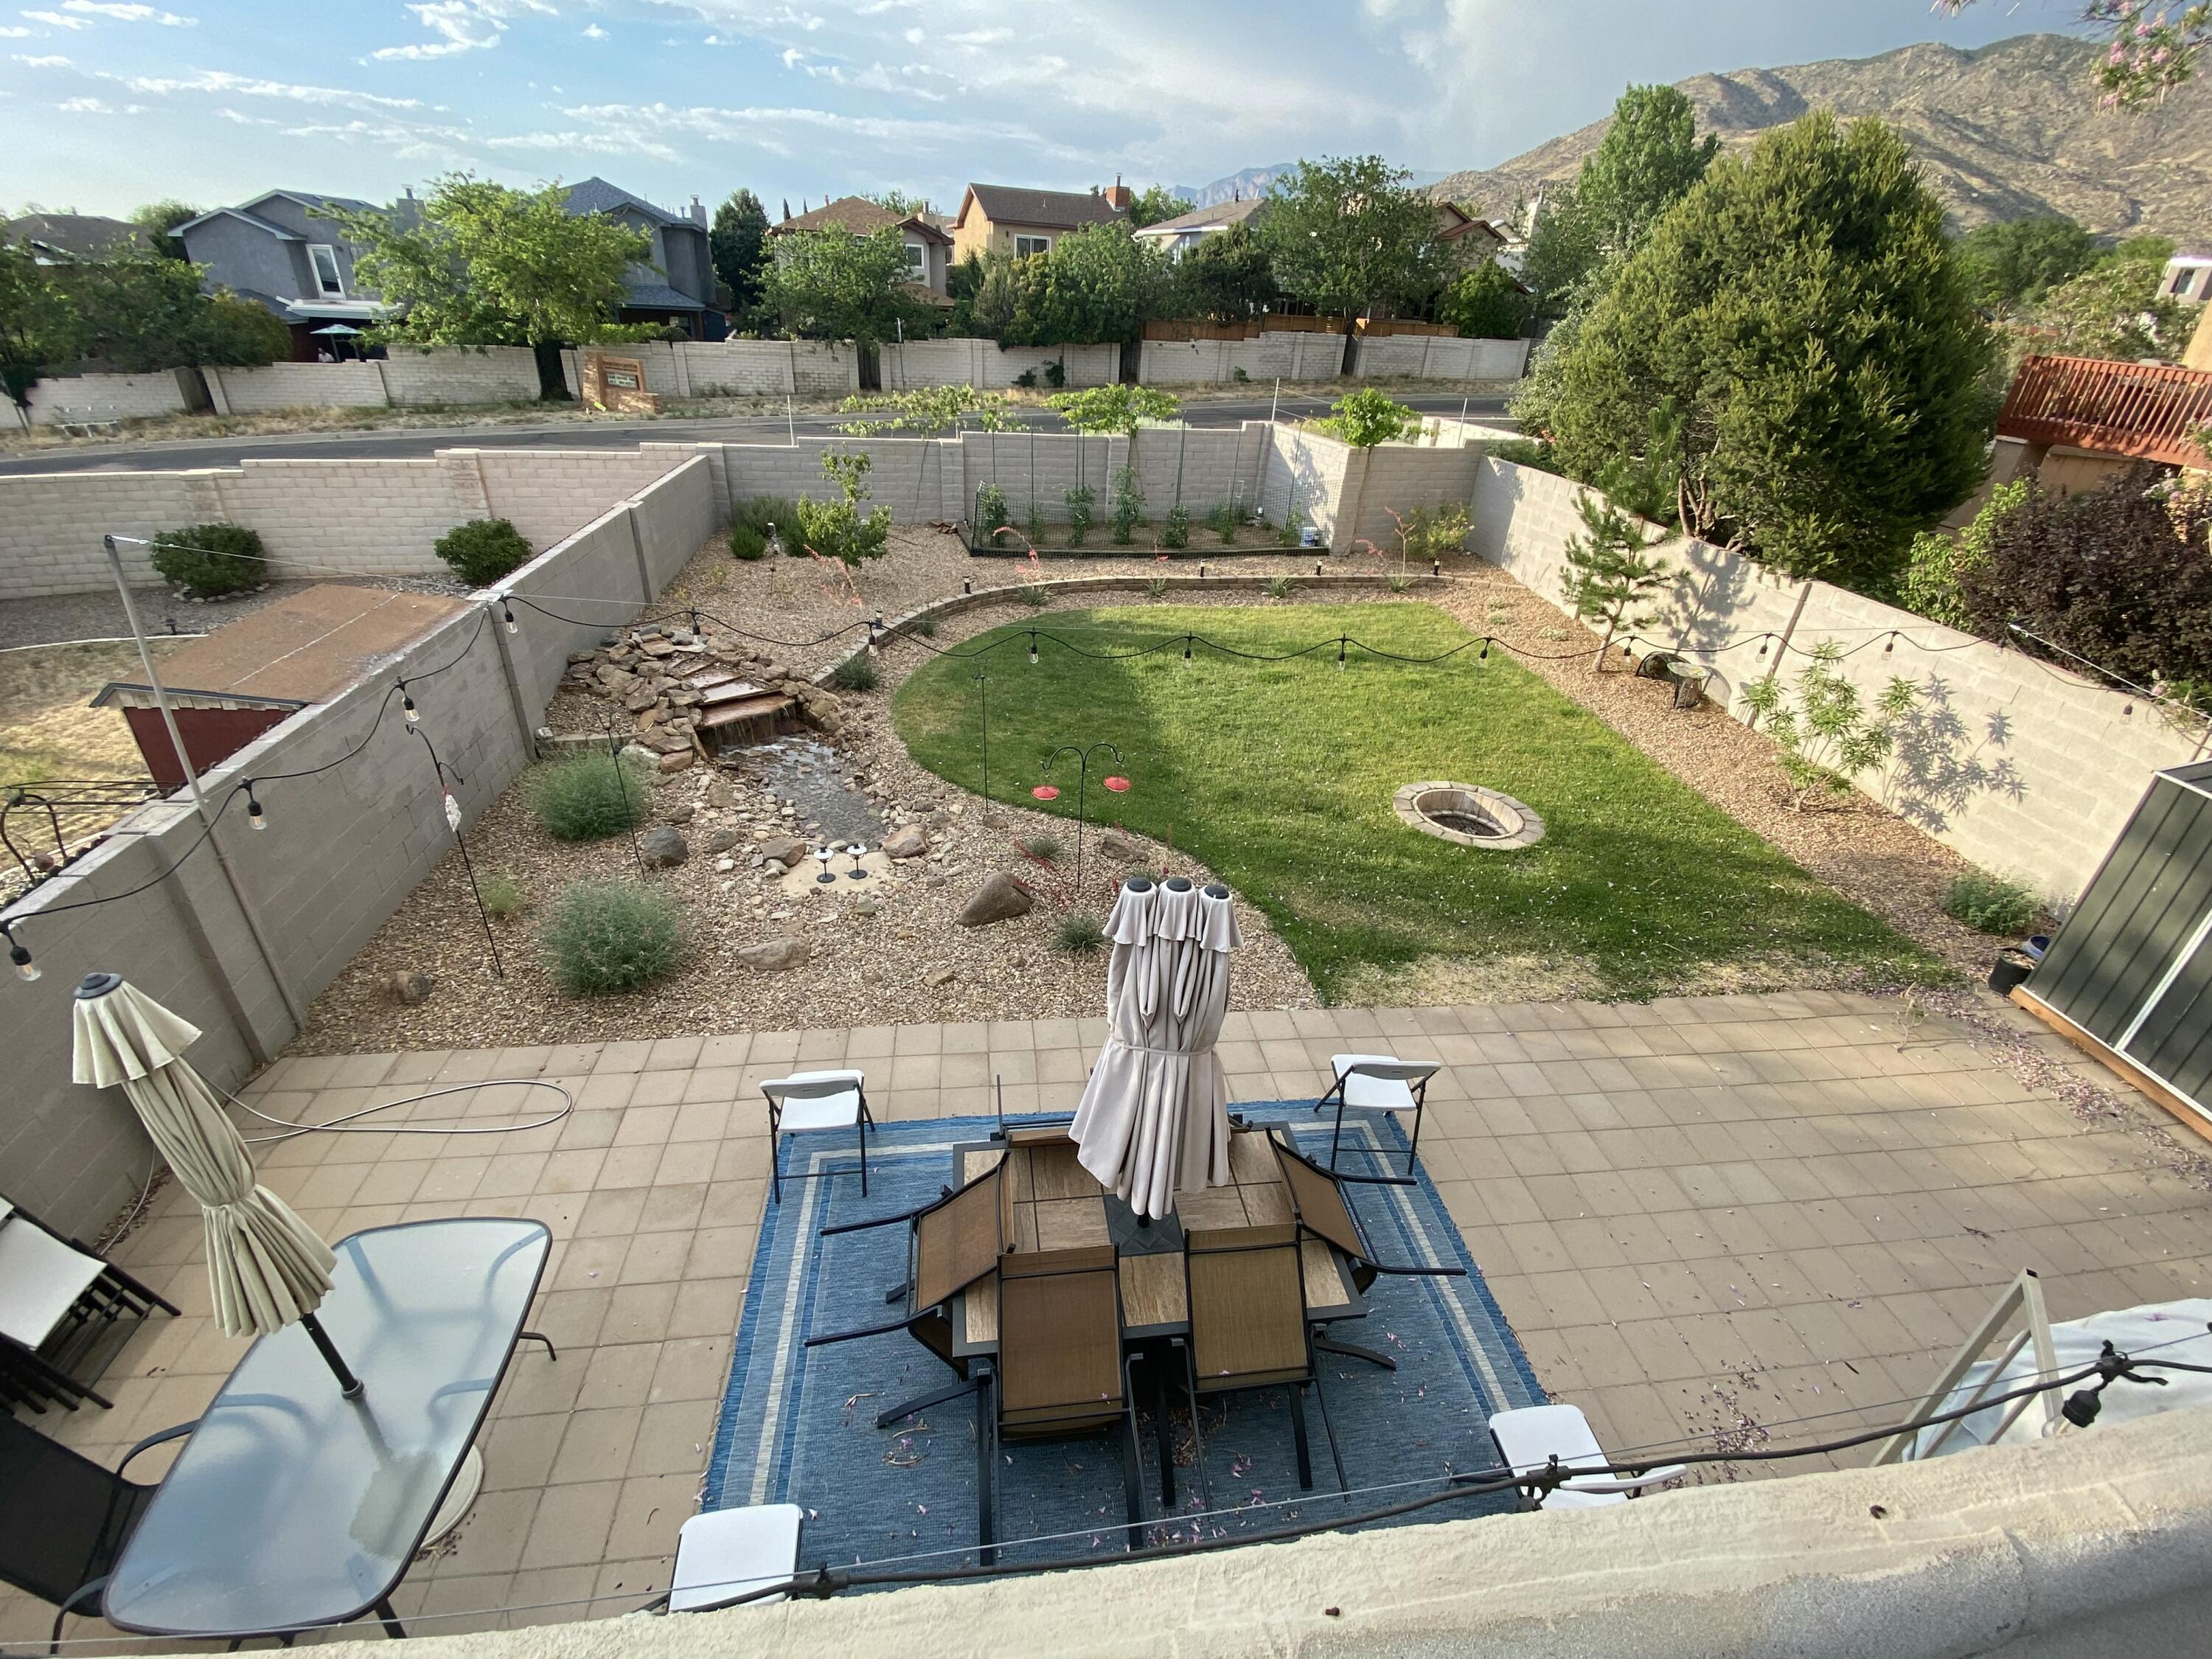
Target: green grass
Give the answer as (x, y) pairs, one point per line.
(1279, 776)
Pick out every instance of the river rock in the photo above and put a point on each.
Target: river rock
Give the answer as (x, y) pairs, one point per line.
(1116, 847)
(679, 761)
(1000, 898)
(411, 987)
(662, 847)
(719, 841)
(774, 956)
(785, 850)
(684, 814)
(907, 843)
(722, 794)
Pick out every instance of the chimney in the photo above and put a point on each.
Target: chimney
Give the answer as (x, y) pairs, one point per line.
(1117, 197)
(698, 212)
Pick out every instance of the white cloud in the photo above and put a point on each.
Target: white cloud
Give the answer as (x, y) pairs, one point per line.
(979, 37)
(56, 20)
(593, 32)
(129, 13)
(84, 106)
(10, 32)
(461, 25)
(249, 85)
(42, 63)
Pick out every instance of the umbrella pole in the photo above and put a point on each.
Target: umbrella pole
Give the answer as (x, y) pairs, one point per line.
(349, 1384)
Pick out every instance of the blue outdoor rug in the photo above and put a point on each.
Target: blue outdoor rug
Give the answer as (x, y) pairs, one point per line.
(797, 1426)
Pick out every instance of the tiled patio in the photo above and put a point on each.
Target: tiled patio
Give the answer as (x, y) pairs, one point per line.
(1767, 1195)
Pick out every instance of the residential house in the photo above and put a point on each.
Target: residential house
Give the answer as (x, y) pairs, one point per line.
(677, 284)
(68, 238)
(928, 247)
(1472, 238)
(1012, 220)
(280, 250)
(2188, 275)
(1185, 230)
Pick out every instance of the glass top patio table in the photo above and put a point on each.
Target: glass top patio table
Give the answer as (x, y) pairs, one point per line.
(291, 1506)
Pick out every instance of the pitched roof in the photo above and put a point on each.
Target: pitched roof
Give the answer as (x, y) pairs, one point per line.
(858, 215)
(268, 227)
(1053, 209)
(651, 293)
(78, 234)
(311, 198)
(1221, 214)
(596, 195)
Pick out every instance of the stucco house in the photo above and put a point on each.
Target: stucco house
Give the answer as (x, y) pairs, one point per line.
(1012, 220)
(68, 238)
(278, 249)
(677, 286)
(928, 247)
(1185, 230)
(2187, 276)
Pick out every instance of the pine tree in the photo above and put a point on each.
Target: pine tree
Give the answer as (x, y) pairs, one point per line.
(1610, 571)
(734, 245)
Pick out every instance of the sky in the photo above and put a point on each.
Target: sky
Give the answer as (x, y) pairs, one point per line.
(107, 103)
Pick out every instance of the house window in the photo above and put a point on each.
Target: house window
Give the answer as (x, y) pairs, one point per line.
(1025, 246)
(324, 258)
(917, 259)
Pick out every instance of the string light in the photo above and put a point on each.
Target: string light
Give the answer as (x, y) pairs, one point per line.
(1762, 645)
(407, 704)
(1340, 653)
(1186, 648)
(1033, 654)
(507, 615)
(254, 815)
(19, 955)
(1890, 645)
(1483, 655)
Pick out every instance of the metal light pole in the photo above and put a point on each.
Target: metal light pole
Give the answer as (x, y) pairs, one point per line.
(1046, 791)
(452, 810)
(984, 697)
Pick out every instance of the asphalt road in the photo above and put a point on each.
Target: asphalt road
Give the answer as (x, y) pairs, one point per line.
(612, 434)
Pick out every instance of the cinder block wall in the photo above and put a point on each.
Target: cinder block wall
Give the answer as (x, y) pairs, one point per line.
(342, 849)
(107, 398)
(459, 374)
(297, 386)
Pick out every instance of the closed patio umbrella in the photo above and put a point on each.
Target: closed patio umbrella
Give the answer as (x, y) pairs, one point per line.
(1154, 1117)
(267, 1267)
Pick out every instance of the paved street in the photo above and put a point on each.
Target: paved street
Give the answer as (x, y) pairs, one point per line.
(612, 435)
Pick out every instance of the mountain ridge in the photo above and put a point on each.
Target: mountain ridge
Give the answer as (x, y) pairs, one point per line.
(2008, 131)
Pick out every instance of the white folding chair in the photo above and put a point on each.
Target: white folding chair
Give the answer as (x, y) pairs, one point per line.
(808, 1101)
(1380, 1082)
(55, 1297)
(1530, 1438)
(725, 1554)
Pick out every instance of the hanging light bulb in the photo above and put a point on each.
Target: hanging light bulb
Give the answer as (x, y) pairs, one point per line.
(1033, 654)
(1339, 653)
(407, 704)
(19, 955)
(507, 613)
(254, 815)
(1186, 648)
(1891, 643)
(1484, 655)
(1762, 645)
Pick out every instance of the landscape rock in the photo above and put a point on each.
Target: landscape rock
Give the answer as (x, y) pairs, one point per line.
(907, 843)
(785, 850)
(684, 814)
(722, 794)
(776, 956)
(940, 976)
(1000, 898)
(662, 847)
(864, 906)
(1117, 847)
(412, 987)
(719, 841)
(679, 761)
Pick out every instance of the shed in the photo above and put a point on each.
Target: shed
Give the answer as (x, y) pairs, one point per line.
(2129, 974)
(228, 688)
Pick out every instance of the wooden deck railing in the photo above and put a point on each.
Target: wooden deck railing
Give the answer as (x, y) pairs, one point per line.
(2144, 410)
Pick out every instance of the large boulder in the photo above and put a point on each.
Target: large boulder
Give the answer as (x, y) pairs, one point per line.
(662, 847)
(1000, 898)
(785, 850)
(774, 956)
(910, 842)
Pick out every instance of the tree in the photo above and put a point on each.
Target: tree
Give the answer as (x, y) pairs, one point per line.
(899, 201)
(838, 529)
(1828, 738)
(735, 244)
(1486, 303)
(483, 264)
(1154, 203)
(929, 410)
(2151, 52)
(2015, 260)
(149, 313)
(1562, 253)
(1352, 236)
(832, 285)
(1225, 278)
(40, 330)
(2115, 310)
(1098, 286)
(1610, 571)
(1369, 416)
(1115, 408)
(1804, 310)
(162, 218)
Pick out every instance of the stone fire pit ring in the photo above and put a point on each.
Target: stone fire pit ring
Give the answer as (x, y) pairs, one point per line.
(1468, 814)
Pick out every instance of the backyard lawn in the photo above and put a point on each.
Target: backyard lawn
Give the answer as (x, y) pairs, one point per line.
(1279, 775)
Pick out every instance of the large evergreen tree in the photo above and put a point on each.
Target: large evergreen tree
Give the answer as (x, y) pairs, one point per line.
(1805, 312)
(734, 244)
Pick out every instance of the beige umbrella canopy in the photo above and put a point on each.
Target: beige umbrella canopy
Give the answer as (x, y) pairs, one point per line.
(1154, 1117)
(267, 1266)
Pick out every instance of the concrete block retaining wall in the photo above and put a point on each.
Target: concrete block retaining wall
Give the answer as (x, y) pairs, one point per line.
(297, 386)
(103, 398)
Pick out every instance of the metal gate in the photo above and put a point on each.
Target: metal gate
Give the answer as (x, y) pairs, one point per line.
(2132, 967)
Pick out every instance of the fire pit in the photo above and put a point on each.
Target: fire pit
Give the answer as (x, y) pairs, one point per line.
(1467, 815)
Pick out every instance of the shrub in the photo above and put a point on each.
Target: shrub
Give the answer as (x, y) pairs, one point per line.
(1157, 588)
(1026, 379)
(504, 895)
(1080, 500)
(1828, 737)
(854, 674)
(590, 796)
(607, 936)
(1128, 505)
(1369, 416)
(838, 529)
(1175, 532)
(1035, 527)
(925, 626)
(1055, 374)
(1222, 522)
(992, 514)
(1400, 582)
(1045, 847)
(1278, 588)
(1293, 531)
(482, 550)
(754, 520)
(1079, 935)
(1990, 903)
(211, 560)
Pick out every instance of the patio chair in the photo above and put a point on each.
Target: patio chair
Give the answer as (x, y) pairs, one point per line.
(1060, 1373)
(64, 1519)
(1531, 1439)
(808, 1101)
(727, 1556)
(1319, 1207)
(952, 1241)
(57, 1300)
(1378, 1082)
(1248, 1330)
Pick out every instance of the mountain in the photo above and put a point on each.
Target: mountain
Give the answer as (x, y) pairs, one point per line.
(1255, 181)
(2009, 132)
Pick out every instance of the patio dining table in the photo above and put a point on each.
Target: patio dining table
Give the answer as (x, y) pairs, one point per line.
(292, 1507)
